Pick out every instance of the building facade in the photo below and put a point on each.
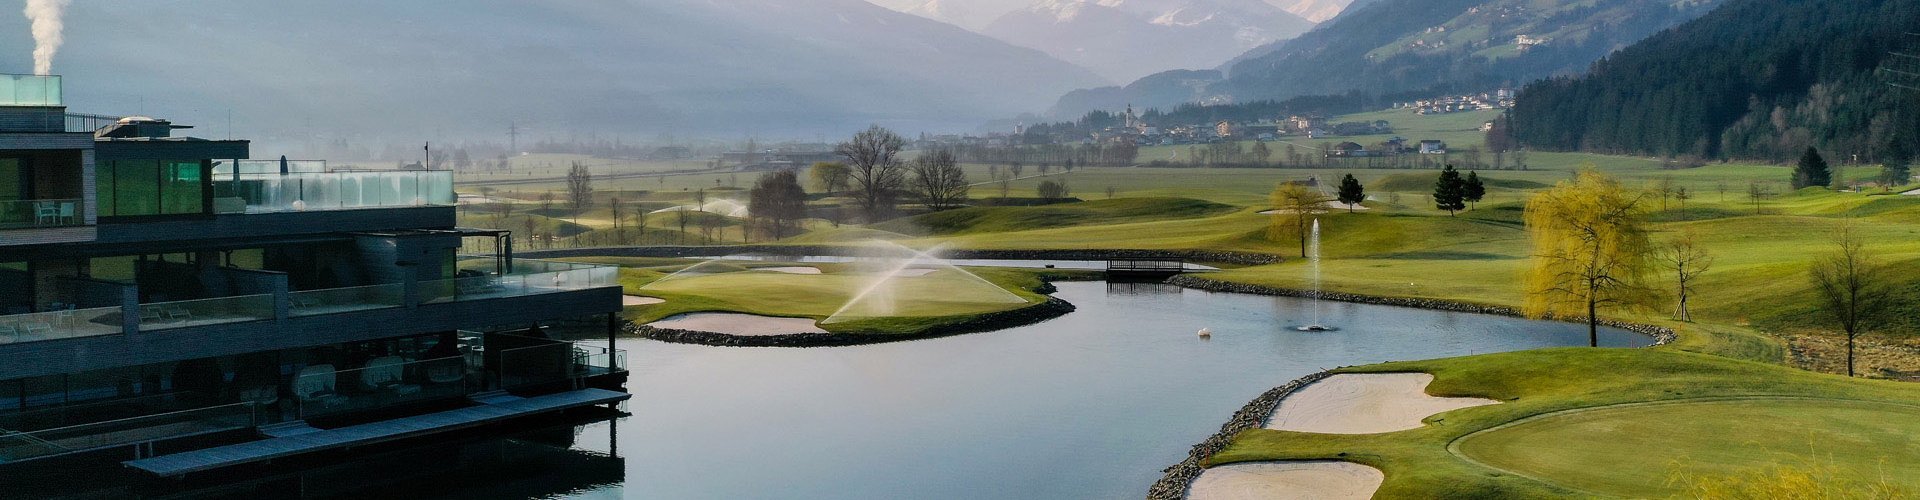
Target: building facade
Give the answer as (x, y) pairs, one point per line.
(167, 295)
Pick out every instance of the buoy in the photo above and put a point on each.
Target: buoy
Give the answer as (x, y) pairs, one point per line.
(1206, 333)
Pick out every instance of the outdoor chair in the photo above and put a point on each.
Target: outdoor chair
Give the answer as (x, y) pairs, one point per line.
(447, 372)
(66, 214)
(316, 385)
(46, 213)
(149, 314)
(177, 313)
(38, 326)
(388, 373)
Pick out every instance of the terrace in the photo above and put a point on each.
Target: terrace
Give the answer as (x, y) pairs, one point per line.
(276, 186)
(524, 278)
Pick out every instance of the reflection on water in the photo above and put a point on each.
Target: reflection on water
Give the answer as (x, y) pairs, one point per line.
(1091, 405)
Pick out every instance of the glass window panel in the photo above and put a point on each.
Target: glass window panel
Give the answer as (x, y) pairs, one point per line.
(184, 189)
(136, 187)
(11, 185)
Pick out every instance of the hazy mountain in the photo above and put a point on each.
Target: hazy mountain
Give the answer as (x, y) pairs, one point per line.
(1313, 10)
(1388, 46)
(1161, 90)
(969, 14)
(430, 68)
(1128, 39)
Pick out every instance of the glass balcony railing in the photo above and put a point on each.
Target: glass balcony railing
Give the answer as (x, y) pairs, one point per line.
(559, 362)
(19, 214)
(383, 382)
(60, 324)
(16, 446)
(203, 312)
(30, 90)
(339, 300)
(529, 277)
(317, 191)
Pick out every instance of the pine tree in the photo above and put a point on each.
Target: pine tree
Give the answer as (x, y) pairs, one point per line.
(1812, 170)
(1450, 193)
(1475, 190)
(1351, 192)
(1895, 173)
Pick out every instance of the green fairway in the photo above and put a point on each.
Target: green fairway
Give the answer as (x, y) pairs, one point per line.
(903, 305)
(1643, 446)
(1771, 430)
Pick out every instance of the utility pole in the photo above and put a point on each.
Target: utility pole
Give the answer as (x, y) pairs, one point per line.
(513, 138)
(429, 164)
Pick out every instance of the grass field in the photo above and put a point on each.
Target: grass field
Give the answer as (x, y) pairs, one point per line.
(1790, 417)
(1758, 330)
(911, 304)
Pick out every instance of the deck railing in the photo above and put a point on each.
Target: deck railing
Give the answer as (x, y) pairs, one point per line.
(16, 214)
(26, 445)
(527, 278)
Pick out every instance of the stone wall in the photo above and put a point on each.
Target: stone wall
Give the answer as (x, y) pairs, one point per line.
(1661, 335)
(1242, 258)
(1173, 485)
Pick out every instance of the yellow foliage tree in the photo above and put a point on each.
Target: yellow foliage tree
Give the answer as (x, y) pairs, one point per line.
(1590, 250)
(1294, 208)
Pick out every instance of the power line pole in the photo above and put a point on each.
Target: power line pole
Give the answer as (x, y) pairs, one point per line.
(513, 138)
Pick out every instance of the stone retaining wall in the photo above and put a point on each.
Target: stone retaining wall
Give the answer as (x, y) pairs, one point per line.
(1661, 335)
(1242, 258)
(1173, 485)
(1052, 308)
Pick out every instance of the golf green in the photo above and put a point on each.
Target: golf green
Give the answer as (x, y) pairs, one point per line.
(1640, 450)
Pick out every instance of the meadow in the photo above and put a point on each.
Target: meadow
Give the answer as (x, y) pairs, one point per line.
(1759, 347)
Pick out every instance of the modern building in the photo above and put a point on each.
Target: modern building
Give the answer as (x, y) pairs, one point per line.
(165, 295)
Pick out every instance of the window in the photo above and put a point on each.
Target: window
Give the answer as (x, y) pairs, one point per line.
(151, 187)
(12, 185)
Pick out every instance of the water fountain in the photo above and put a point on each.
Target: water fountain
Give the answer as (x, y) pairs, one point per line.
(1313, 270)
(897, 263)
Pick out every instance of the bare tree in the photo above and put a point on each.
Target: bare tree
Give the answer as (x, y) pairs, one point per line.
(614, 208)
(939, 181)
(579, 188)
(1853, 287)
(705, 220)
(874, 169)
(1684, 256)
(778, 201)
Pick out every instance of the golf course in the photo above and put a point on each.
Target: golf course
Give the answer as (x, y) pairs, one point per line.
(1750, 399)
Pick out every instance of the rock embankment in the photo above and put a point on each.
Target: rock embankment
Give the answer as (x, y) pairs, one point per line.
(1052, 308)
(1242, 258)
(1661, 335)
(1173, 485)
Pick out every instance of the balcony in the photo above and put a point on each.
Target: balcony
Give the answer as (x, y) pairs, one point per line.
(30, 90)
(30, 214)
(254, 186)
(528, 278)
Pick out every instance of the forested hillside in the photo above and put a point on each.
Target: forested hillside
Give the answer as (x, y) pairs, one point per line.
(1392, 46)
(1754, 79)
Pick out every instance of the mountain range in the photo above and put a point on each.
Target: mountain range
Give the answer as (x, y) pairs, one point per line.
(1395, 47)
(426, 68)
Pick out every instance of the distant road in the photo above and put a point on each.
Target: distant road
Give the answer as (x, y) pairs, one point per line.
(634, 175)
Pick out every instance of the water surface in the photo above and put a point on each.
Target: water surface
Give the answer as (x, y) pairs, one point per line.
(1091, 405)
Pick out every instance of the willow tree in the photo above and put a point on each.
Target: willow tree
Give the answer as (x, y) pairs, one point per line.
(1294, 207)
(1590, 250)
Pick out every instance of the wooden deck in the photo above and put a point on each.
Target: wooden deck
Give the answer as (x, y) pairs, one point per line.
(490, 411)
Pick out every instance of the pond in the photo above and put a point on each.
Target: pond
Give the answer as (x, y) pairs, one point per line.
(1091, 405)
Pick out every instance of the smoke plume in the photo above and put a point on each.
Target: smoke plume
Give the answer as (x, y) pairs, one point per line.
(45, 15)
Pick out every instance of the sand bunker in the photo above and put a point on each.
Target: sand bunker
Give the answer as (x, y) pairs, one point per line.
(1271, 480)
(1364, 404)
(738, 324)
(636, 300)
(790, 270)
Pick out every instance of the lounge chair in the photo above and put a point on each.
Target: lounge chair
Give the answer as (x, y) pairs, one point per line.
(389, 374)
(316, 385)
(149, 314)
(447, 371)
(177, 313)
(38, 326)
